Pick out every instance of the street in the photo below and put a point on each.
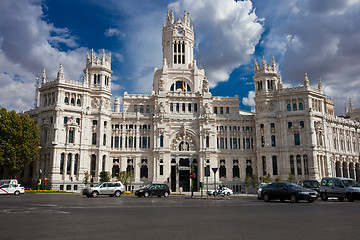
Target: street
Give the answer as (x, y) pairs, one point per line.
(73, 216)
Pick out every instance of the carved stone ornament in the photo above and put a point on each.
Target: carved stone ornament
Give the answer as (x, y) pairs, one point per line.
(95, 102)
(183, 140)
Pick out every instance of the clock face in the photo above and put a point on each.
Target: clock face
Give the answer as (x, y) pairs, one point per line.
(179, 31)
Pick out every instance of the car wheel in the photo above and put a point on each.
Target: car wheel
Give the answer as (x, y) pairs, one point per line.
(350, 197)
(94, 194)
(323, 196)
(341, 199)
(228, 194)
(166, 194)
(117, 194)
(214, 194)
(293, 198)
(16, 193)
(266, 198)
(146, 194)
(88, 195)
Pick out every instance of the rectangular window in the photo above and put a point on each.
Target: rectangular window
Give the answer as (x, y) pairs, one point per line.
(71, 136)
(273, 142)
(94, 139)
(141, 109)
(289, 125)
(116, 142)
(161, 170)
(302, 124)
(262, 141)
(274, 163)
(247, 143)
(104, 140)
(207, 141)
(94, 122)
(297, 139)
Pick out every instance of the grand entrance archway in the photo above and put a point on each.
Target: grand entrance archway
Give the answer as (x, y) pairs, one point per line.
(180, 173)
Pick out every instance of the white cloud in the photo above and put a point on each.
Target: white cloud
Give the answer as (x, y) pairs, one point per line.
(113, 32)
(225, 36)
(29, 45)
(321, 38)
(249, 100)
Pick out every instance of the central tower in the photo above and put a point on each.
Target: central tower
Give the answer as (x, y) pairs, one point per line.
(178, 41)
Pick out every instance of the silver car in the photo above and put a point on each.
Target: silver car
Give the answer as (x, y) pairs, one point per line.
(107, 188)
(339, 188)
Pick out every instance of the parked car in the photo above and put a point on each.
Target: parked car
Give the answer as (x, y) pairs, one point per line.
(153, 190)
(8, 181)
(221, 191)
(339, 188)
(287, 190)
(13, 188)
(312, 184)
(259, 189)
(107, 188)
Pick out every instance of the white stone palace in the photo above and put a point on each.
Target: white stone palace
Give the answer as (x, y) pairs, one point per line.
(160, 136)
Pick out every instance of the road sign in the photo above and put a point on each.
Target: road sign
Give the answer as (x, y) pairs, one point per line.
(192, 175)
(215, 169)
(45, 178)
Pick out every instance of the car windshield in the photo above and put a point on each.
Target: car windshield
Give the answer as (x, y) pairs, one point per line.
(351, 183)
(149, 186)
(293, 185)
(98, 185)
(263, 185)
(311, 184)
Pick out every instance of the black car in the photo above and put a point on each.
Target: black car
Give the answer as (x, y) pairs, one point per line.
(153, 190)
(312, 184)
(287, 190)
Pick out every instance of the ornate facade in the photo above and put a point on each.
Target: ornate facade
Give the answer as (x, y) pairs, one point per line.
(180, 125)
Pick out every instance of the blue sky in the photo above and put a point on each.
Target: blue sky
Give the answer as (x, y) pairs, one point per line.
(320, 37)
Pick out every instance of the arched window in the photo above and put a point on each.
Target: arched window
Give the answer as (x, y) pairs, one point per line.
(72, 101)
(144, 169)
(227, 110)
(301, 107)
(274, 165)
(222, 170)
(78, 102)
(236, 169)
(68, 164)
(94, 136)
(306, 165)
(298, 163)
(195, 107)
(288, 107)
(76, 164)
(161, 141)
(264, 165)
(180, 85)
(66, 100)
(292, 165)
(171, 107)
(221, 110)
(62, 163)
(294, 107)
(93, 165)
(184, 146)
(103, 163)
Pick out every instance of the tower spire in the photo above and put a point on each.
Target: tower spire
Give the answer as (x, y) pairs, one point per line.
(319, 84)
(60, 75)
(306, 80)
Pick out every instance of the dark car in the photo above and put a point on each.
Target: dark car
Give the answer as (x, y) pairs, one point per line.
(312, 184)
(287, 190)
(153, 190)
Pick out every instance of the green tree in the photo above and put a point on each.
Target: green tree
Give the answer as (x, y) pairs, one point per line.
(104, 176)
(247, 182)
(86, 178)
(19, 141)
(254, 182)
(291, 178)
(267, 178)
(278, 179)
(126, 177)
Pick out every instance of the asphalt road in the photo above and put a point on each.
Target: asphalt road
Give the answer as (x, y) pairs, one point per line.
(73, 216)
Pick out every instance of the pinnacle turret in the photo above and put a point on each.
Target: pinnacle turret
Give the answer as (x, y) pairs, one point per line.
(265, 68)
(60, 75)
(44, 76)
(319, 84)
(98, 62)
(306, 80)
